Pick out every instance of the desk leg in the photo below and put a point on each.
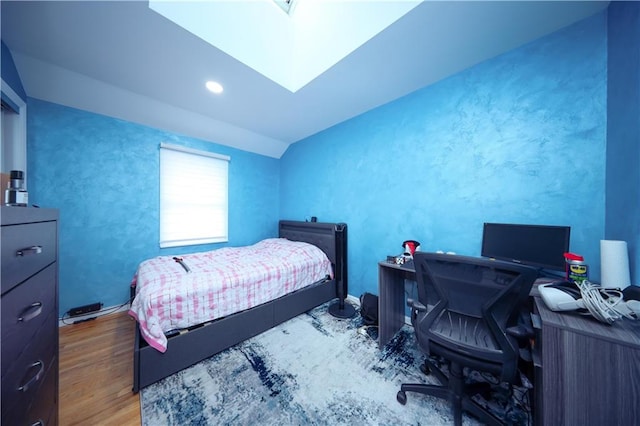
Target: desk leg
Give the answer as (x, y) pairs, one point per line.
(390, 304)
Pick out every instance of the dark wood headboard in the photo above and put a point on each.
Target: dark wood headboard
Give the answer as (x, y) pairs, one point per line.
(326, 236)
(332, 239)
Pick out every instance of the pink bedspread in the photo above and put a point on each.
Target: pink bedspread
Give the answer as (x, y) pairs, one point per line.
(221, 282)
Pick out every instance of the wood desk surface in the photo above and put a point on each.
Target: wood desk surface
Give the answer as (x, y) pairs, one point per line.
(624, 332)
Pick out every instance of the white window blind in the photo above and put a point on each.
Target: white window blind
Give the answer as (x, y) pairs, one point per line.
(193, 196)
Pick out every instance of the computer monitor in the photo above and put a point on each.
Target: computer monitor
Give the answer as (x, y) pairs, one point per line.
(540, 246)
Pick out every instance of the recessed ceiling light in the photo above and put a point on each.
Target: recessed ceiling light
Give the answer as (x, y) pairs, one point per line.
(215, 87)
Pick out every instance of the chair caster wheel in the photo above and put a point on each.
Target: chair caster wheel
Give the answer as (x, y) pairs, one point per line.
(401, 397)
(425, 369)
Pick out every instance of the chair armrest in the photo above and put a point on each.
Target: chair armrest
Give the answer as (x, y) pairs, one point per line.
(520, 332)
(415, 305)
(523, 334)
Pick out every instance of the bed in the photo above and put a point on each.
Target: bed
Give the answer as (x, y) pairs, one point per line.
(183, 344)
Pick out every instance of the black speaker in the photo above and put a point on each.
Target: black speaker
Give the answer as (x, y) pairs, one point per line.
(341, 309)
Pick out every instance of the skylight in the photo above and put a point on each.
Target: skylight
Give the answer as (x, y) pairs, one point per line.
(318, 35)
(285, 5)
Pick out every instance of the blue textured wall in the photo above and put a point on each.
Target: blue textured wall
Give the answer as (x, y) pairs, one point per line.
(519, 138)
(103, 175)
(623, 135)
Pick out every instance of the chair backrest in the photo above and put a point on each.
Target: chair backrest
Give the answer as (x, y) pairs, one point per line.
(472, 302)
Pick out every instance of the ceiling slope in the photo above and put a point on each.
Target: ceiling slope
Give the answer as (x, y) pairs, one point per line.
(124, 60)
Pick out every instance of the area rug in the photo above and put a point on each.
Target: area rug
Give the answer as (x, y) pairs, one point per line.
(311, 370)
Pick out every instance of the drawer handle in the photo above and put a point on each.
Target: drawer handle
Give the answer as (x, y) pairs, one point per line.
(29, 250)
(35, 378)
(31, 312)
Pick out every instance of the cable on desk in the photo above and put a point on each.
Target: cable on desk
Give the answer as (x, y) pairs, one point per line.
(605, 304)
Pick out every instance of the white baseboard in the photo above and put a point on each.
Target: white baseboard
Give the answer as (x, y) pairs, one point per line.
(113, 309)
(353, 299)
(92, 315)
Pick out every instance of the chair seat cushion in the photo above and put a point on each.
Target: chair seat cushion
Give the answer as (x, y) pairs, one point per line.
(471, 336)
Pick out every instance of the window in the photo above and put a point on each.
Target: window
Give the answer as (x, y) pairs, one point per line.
(193, 196)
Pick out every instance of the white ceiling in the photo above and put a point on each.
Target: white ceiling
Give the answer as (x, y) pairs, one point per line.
(291, 49)
(124, 60)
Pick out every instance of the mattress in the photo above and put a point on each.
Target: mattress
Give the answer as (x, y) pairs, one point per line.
(173, 296)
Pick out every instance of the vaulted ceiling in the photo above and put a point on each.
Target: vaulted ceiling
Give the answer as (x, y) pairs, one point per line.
(127, 60)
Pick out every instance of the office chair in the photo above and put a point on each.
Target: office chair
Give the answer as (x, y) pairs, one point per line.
(471, 321)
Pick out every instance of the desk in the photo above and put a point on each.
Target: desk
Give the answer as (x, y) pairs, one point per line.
(391, 303)
(586, 372)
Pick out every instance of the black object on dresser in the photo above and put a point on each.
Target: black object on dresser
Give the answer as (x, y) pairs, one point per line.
(29, 312)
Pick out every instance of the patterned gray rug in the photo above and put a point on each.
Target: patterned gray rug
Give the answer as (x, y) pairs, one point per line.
(313, 369)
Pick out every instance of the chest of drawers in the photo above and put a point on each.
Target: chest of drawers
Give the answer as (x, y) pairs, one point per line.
(29, 345)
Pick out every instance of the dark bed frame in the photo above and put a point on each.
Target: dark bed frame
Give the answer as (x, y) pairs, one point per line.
(184, 350)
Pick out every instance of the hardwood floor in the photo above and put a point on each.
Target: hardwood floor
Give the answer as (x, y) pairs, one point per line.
(96, 372)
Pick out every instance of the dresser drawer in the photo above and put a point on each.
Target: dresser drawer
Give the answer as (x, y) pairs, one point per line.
(24, 311)
(43, 408)
(26, 249)
(51, 419)
(25, 376)
(40, 410)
